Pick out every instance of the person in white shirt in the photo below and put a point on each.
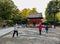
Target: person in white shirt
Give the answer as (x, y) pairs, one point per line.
(15, 30)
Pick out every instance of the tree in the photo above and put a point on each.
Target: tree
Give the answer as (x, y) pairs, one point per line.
(26, 12)
(58, 16)
(52, 8)
(17, 17)
(9, 13)
(6, 9)
(33, 11)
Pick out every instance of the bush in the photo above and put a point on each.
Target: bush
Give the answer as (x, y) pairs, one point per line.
(9, 23)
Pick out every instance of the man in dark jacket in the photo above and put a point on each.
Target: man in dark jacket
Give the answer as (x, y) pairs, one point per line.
(46, 28)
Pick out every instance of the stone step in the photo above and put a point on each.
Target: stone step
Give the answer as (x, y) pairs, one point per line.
(5, 31)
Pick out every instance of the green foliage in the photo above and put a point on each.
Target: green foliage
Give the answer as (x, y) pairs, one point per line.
(58, 16)
(9, 23)
(52, 8)
(6, 7)
(24, 20)
(26, 12)
(18, 18)
(8, 11)
(33, 11)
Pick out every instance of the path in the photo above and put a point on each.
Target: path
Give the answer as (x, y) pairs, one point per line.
(31, 36)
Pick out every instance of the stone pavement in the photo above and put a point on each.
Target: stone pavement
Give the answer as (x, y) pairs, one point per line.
(31, 36)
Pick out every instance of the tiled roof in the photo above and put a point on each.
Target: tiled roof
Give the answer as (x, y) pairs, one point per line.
(37, 15)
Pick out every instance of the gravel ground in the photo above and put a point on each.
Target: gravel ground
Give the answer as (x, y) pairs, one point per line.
(31, 36)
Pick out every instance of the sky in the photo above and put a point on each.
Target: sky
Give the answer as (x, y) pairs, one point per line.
(40, 5)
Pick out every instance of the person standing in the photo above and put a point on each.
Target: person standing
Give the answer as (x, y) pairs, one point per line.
(40, 28)
(15, 30)
(46, 28)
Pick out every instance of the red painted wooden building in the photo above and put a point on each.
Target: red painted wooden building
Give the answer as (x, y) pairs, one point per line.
(35, 18)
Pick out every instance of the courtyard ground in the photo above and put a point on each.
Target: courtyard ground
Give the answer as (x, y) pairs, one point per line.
(31, 36)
